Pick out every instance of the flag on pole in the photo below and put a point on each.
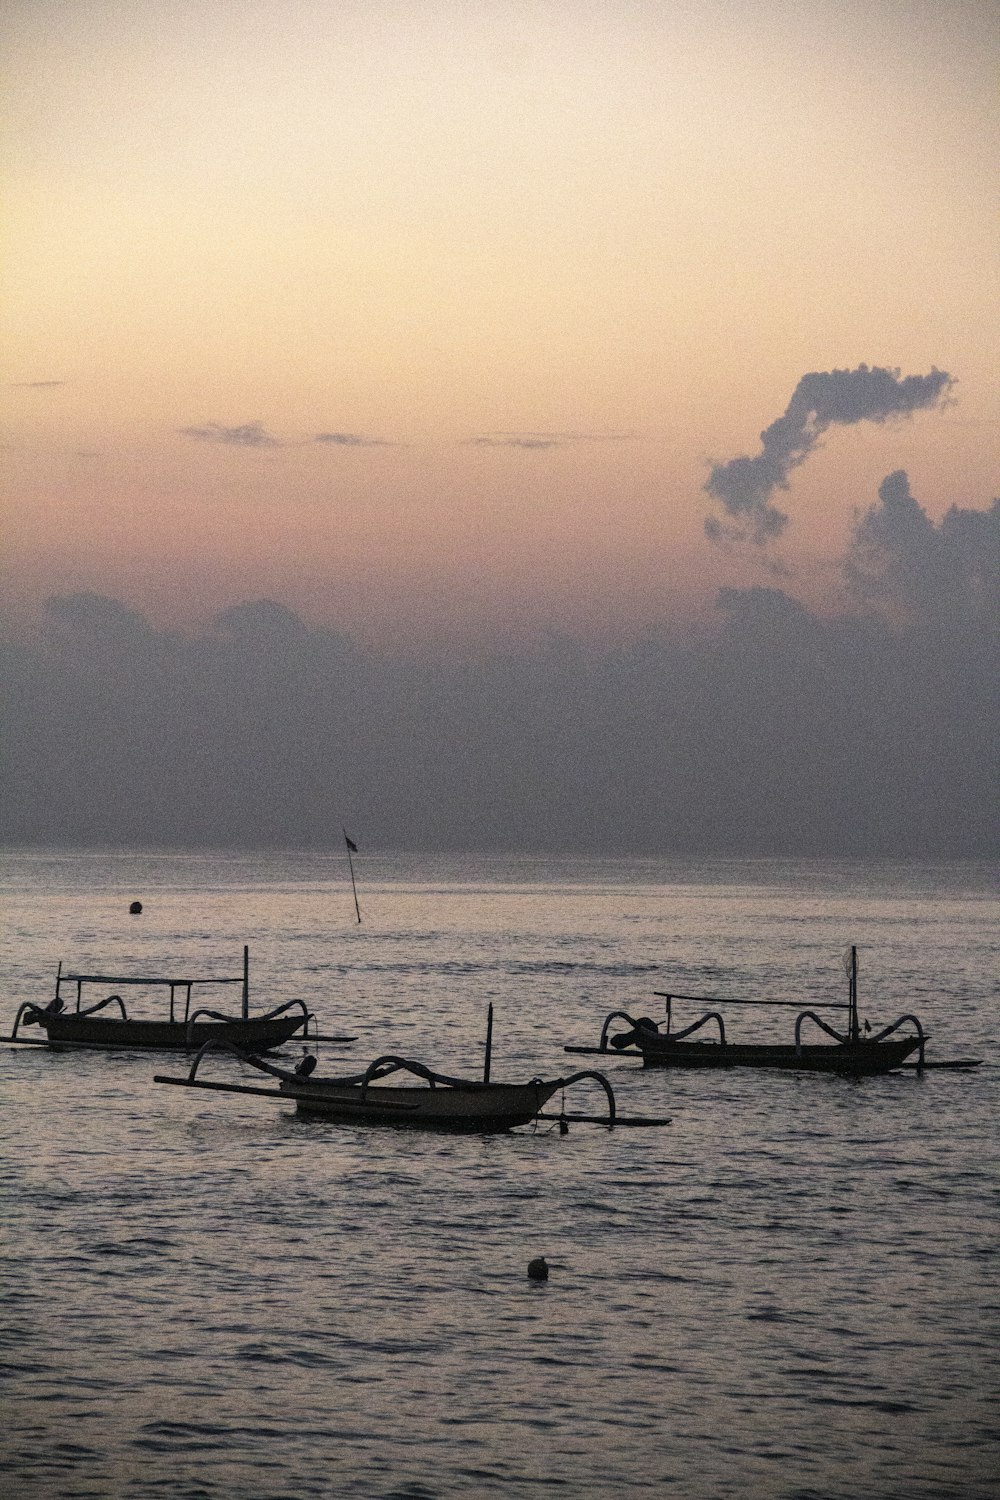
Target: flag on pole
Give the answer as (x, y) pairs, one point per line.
(352, 848)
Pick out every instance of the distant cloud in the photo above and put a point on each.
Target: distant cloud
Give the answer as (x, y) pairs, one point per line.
(249, 435)
(780, 733)
(541, 440)
(903, 565)
(36, 385)
(762, 610)
(97, 615)
(745, 485)
(513, 440)
(258, 619)
(349, 440)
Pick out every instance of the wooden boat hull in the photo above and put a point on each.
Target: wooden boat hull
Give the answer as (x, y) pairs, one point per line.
(471, 1107)
(66, 1028)
(856, 1059)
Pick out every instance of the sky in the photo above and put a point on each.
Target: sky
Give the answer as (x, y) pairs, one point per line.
(440, 323)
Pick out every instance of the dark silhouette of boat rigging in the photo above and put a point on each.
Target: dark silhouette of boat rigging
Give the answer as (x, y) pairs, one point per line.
(436, 1101)
(857, 1052)
(184, 1028)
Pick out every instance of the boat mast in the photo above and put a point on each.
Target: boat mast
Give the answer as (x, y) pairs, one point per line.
(246, 981)
(852, 1019)
(489, 1044)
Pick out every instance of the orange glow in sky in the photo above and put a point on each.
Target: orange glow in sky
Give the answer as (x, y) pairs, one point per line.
(429, 319)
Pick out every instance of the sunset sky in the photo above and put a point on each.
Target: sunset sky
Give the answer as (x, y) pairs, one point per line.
(430, 320)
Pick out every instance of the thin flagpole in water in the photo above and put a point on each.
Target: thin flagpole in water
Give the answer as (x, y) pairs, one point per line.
(352, 848)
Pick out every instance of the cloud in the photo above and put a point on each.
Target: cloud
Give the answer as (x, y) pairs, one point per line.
(249, 435)
(745, 485)
(762, 610)
(780, 733)
(515, 440)
(542, 440)
(349, 440)
(36, 385)
(259, 619)
(97, 615)
(904, 566)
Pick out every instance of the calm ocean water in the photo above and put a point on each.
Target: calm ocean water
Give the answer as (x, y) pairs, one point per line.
(792, 1291)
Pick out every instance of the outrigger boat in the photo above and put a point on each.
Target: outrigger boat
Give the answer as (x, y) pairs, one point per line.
(443, 1103)
(855, 1053)
(183, 1029)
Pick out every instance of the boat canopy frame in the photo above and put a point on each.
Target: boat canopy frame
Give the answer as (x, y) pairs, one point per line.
(156, 981)
(852, 1037)
(31, 1013)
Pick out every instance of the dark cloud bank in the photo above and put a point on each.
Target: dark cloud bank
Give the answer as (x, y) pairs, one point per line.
(872, 734)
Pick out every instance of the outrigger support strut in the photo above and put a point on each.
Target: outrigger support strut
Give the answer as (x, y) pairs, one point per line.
(921, 1035)
(271, 1015)
(616, 1015)
(605, 1085)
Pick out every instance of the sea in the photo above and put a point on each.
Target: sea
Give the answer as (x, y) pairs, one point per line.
(791, 1290)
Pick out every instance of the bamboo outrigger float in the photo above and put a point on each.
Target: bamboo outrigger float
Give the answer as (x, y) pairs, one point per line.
(444, 1103)
(854, 1053)
(183, 1029)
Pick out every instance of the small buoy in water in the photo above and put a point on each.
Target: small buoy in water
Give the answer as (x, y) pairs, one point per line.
(537, 1269)
(135, 908)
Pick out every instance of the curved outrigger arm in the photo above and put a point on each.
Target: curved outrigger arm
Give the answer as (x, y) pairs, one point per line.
(880, 1036)
(668, 999)
(100, 1004)
(710, 1015)
(888, 1030)
(810, 1015)
(605, 1085)
(644, 1024)
(382, 1067)
(271, 1015)
(33, 1014)
(616, 1015)
(222, 1044)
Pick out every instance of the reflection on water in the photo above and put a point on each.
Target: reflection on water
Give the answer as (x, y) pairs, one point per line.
(790, 1292)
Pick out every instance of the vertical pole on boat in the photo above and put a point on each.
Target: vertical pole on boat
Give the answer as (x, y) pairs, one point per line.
(352, 848)
(246, 981)
(489, 1044)
(58, 978)
(853, 1017)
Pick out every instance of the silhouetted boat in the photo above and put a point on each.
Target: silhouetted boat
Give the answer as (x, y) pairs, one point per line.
(853, 1053)
(183, 1029)
(859, 1059)
(443, 1103)
(434, 1102)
